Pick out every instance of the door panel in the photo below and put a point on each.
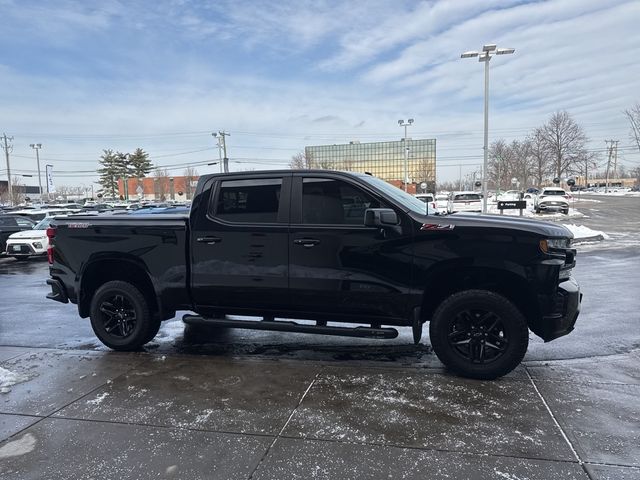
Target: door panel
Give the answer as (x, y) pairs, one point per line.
(240, 248)
(336, 264)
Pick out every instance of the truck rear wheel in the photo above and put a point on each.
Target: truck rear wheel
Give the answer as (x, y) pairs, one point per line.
(479, 334)
(120, 316)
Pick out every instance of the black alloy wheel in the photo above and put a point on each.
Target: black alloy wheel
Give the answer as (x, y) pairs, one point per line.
(121, 317)
(118, 315)
(479, 334)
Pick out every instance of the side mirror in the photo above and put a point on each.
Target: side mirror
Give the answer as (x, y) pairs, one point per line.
(380, 217)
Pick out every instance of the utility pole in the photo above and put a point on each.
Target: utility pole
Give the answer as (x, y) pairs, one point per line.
(219, 145)
(36, 147)
(615, 159)
(586, 173)
(7, 148)
(614, 145)
(224, 164)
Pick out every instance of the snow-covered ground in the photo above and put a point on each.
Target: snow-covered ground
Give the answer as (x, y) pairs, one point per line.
(585, 234)
(9, 379)
(580, 232)
(613, 192)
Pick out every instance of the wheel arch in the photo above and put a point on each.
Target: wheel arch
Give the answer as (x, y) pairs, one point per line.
(98, 271)
(504, 282)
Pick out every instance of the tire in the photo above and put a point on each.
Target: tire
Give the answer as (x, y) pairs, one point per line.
(120, 316)
(537, 210)
(466, 323)
(154, 328)
(566, 212)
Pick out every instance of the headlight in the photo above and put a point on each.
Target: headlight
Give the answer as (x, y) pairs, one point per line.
(554, 243)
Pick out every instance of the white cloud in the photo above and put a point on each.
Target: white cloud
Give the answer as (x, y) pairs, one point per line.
(311, 72)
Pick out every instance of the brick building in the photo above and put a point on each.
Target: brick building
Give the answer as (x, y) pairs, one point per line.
(178, 188)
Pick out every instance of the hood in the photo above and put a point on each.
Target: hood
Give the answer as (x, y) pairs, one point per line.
(545, 229)
(35, 234)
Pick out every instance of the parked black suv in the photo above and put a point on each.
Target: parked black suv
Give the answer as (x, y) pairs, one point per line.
(334, 247)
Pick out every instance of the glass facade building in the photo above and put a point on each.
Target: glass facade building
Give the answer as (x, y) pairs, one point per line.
(385, 160)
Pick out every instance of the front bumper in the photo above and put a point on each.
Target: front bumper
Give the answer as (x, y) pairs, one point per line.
(562, 311)
(24, 249)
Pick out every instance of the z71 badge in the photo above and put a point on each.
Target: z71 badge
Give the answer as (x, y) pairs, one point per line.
(437, 226)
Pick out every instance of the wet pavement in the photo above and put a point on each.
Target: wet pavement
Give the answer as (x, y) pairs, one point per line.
(218, 403)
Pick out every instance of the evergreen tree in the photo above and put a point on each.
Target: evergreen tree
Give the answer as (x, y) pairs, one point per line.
(140, 163)
(108, 171)
(114, 166)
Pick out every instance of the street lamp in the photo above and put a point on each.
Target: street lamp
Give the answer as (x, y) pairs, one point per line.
(404, 124)
(36, 147)
(485, 56)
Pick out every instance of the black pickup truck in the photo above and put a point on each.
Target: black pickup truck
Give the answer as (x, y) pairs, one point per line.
(349, 251)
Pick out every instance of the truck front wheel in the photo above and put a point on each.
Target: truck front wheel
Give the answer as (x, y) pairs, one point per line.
(479, 334)
(120, 316)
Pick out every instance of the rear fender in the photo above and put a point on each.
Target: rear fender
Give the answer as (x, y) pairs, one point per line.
(106, 266)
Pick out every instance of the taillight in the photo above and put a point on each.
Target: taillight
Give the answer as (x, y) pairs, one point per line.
(51, 233)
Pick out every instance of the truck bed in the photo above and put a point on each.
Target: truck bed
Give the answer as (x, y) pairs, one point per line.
(158, 244)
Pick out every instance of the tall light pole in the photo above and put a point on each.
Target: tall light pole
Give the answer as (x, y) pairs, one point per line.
(485, 56)
(404, 124)
(37, 147)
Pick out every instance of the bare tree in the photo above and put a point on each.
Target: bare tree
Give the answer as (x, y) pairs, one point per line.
(540, 158)
(501, 164)
(565, 142)
(161, 182)
(633, 114)
(190, 174)
(17, 190)
(301, 161)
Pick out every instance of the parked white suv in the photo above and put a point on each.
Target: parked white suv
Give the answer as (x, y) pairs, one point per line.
(552, 199)
(29, 243)
(465, 202)
(431, 205)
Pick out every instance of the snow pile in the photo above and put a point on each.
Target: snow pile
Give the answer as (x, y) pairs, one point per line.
(582, 233)
(9, 378)
(16, 448)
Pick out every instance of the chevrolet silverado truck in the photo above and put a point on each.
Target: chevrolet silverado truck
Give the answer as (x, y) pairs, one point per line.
(354, 254)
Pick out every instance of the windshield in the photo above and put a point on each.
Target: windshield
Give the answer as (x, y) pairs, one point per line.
(397, 194)
(554, 192)
(43, 224)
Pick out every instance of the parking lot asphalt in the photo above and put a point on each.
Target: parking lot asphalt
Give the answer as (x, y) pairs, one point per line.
(230, 404)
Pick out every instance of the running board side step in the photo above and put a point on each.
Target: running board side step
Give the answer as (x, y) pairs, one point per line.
(291, 326)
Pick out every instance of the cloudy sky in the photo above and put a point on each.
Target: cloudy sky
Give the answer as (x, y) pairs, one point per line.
(278, 75)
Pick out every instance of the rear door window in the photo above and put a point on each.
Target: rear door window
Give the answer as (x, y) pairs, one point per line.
(249, 201)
